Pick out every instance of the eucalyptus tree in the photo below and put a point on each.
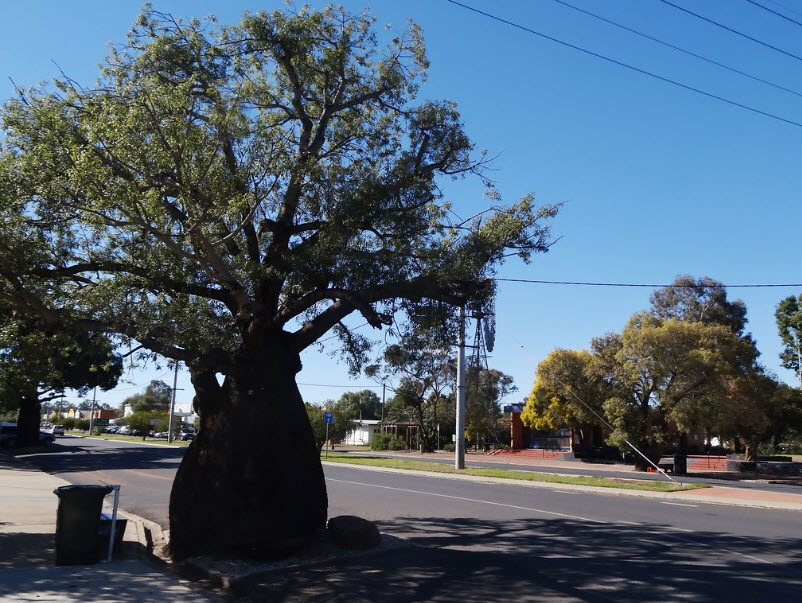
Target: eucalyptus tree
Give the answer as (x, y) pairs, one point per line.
(227, 195)
(426, 372)
(658, 372)
(699, 300)
(789, 325)
(566, 393)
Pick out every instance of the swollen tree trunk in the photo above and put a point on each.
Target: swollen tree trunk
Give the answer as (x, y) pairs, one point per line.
(251, 483)
(30, 415)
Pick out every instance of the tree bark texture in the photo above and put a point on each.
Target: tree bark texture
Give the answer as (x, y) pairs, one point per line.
(30, 415)
(251, 484)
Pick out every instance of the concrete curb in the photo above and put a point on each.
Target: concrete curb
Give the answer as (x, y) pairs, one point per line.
(228, 574)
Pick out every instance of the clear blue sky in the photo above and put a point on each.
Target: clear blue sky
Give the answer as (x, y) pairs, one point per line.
(656, 180)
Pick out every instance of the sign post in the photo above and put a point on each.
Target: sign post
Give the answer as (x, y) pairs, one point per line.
(328, 418)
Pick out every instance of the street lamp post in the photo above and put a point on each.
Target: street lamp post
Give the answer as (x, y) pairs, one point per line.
(459, 443)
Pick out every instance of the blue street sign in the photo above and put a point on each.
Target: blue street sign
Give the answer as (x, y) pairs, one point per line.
(328, 418)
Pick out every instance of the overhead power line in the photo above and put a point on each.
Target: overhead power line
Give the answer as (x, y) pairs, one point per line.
(774, 12)
(678, 49)
(625, 65)
(731, 30)
(647, 285)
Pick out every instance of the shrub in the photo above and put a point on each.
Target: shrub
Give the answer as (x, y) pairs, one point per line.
(82, 424)
(387, 441)
(396, 444)
(449, 447)
(68, 423)
(380, 441)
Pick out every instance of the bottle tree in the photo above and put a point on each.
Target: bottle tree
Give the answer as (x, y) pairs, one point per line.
(227, 195)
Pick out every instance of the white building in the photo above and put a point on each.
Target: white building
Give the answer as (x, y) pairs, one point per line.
(362, 432)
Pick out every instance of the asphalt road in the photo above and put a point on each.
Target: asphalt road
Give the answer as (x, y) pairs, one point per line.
(477, 541)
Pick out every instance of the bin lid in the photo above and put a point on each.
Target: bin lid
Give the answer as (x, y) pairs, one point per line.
(65, 490)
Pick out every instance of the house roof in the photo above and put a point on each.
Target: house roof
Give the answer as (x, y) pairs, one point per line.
(367, 421)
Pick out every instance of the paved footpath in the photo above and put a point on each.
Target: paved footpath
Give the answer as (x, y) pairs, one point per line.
(27, 539)
(27, 552)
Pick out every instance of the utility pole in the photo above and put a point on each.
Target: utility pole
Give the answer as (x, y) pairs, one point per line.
(172, 405)
(459, 443)
(92, 412)
(384, 390)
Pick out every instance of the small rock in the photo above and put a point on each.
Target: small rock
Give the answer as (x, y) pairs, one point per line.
(351, 532)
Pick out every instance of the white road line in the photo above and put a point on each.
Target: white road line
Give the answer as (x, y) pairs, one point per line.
(678, 504)
(668, 529)
(564, 491)
(473, 500)
(716, 548)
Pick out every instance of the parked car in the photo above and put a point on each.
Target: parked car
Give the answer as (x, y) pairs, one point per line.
(124, 430)
(160, 434)
(187, 433)
(112, 429)
(56, 430)
(8, 436)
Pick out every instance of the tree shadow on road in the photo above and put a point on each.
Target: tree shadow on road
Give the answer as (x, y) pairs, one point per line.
(77, 458)
(465, 559)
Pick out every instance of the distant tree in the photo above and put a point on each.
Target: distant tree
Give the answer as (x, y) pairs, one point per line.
(343, 414)
(658, 370)
(484, 390)
(157, 396)
(316, 419)
(146, 421)
(426, 372)
(39, 361)
(366, 402)
(699, 300)
(565, 383)
(789, 325)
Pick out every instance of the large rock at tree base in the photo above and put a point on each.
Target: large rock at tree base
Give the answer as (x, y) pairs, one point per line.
(351, 532)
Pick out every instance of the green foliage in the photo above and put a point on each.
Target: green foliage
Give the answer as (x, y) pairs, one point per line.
(426, 372)
(158, 396)
(675, 369)
(567, 393)
(68, 423)
(789, 325)
(343, 415)
(366, 403)
(82, 424)
(387, 441)
(141, 421)
(699, 300)
(267, 174)
(484, 390)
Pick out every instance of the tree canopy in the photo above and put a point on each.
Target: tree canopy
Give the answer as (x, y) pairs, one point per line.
(157, 396)
(39, 361)
(684, 365)
(789, 325)
(565, 383)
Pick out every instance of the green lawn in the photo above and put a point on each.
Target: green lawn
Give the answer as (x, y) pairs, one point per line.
(603, 482)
